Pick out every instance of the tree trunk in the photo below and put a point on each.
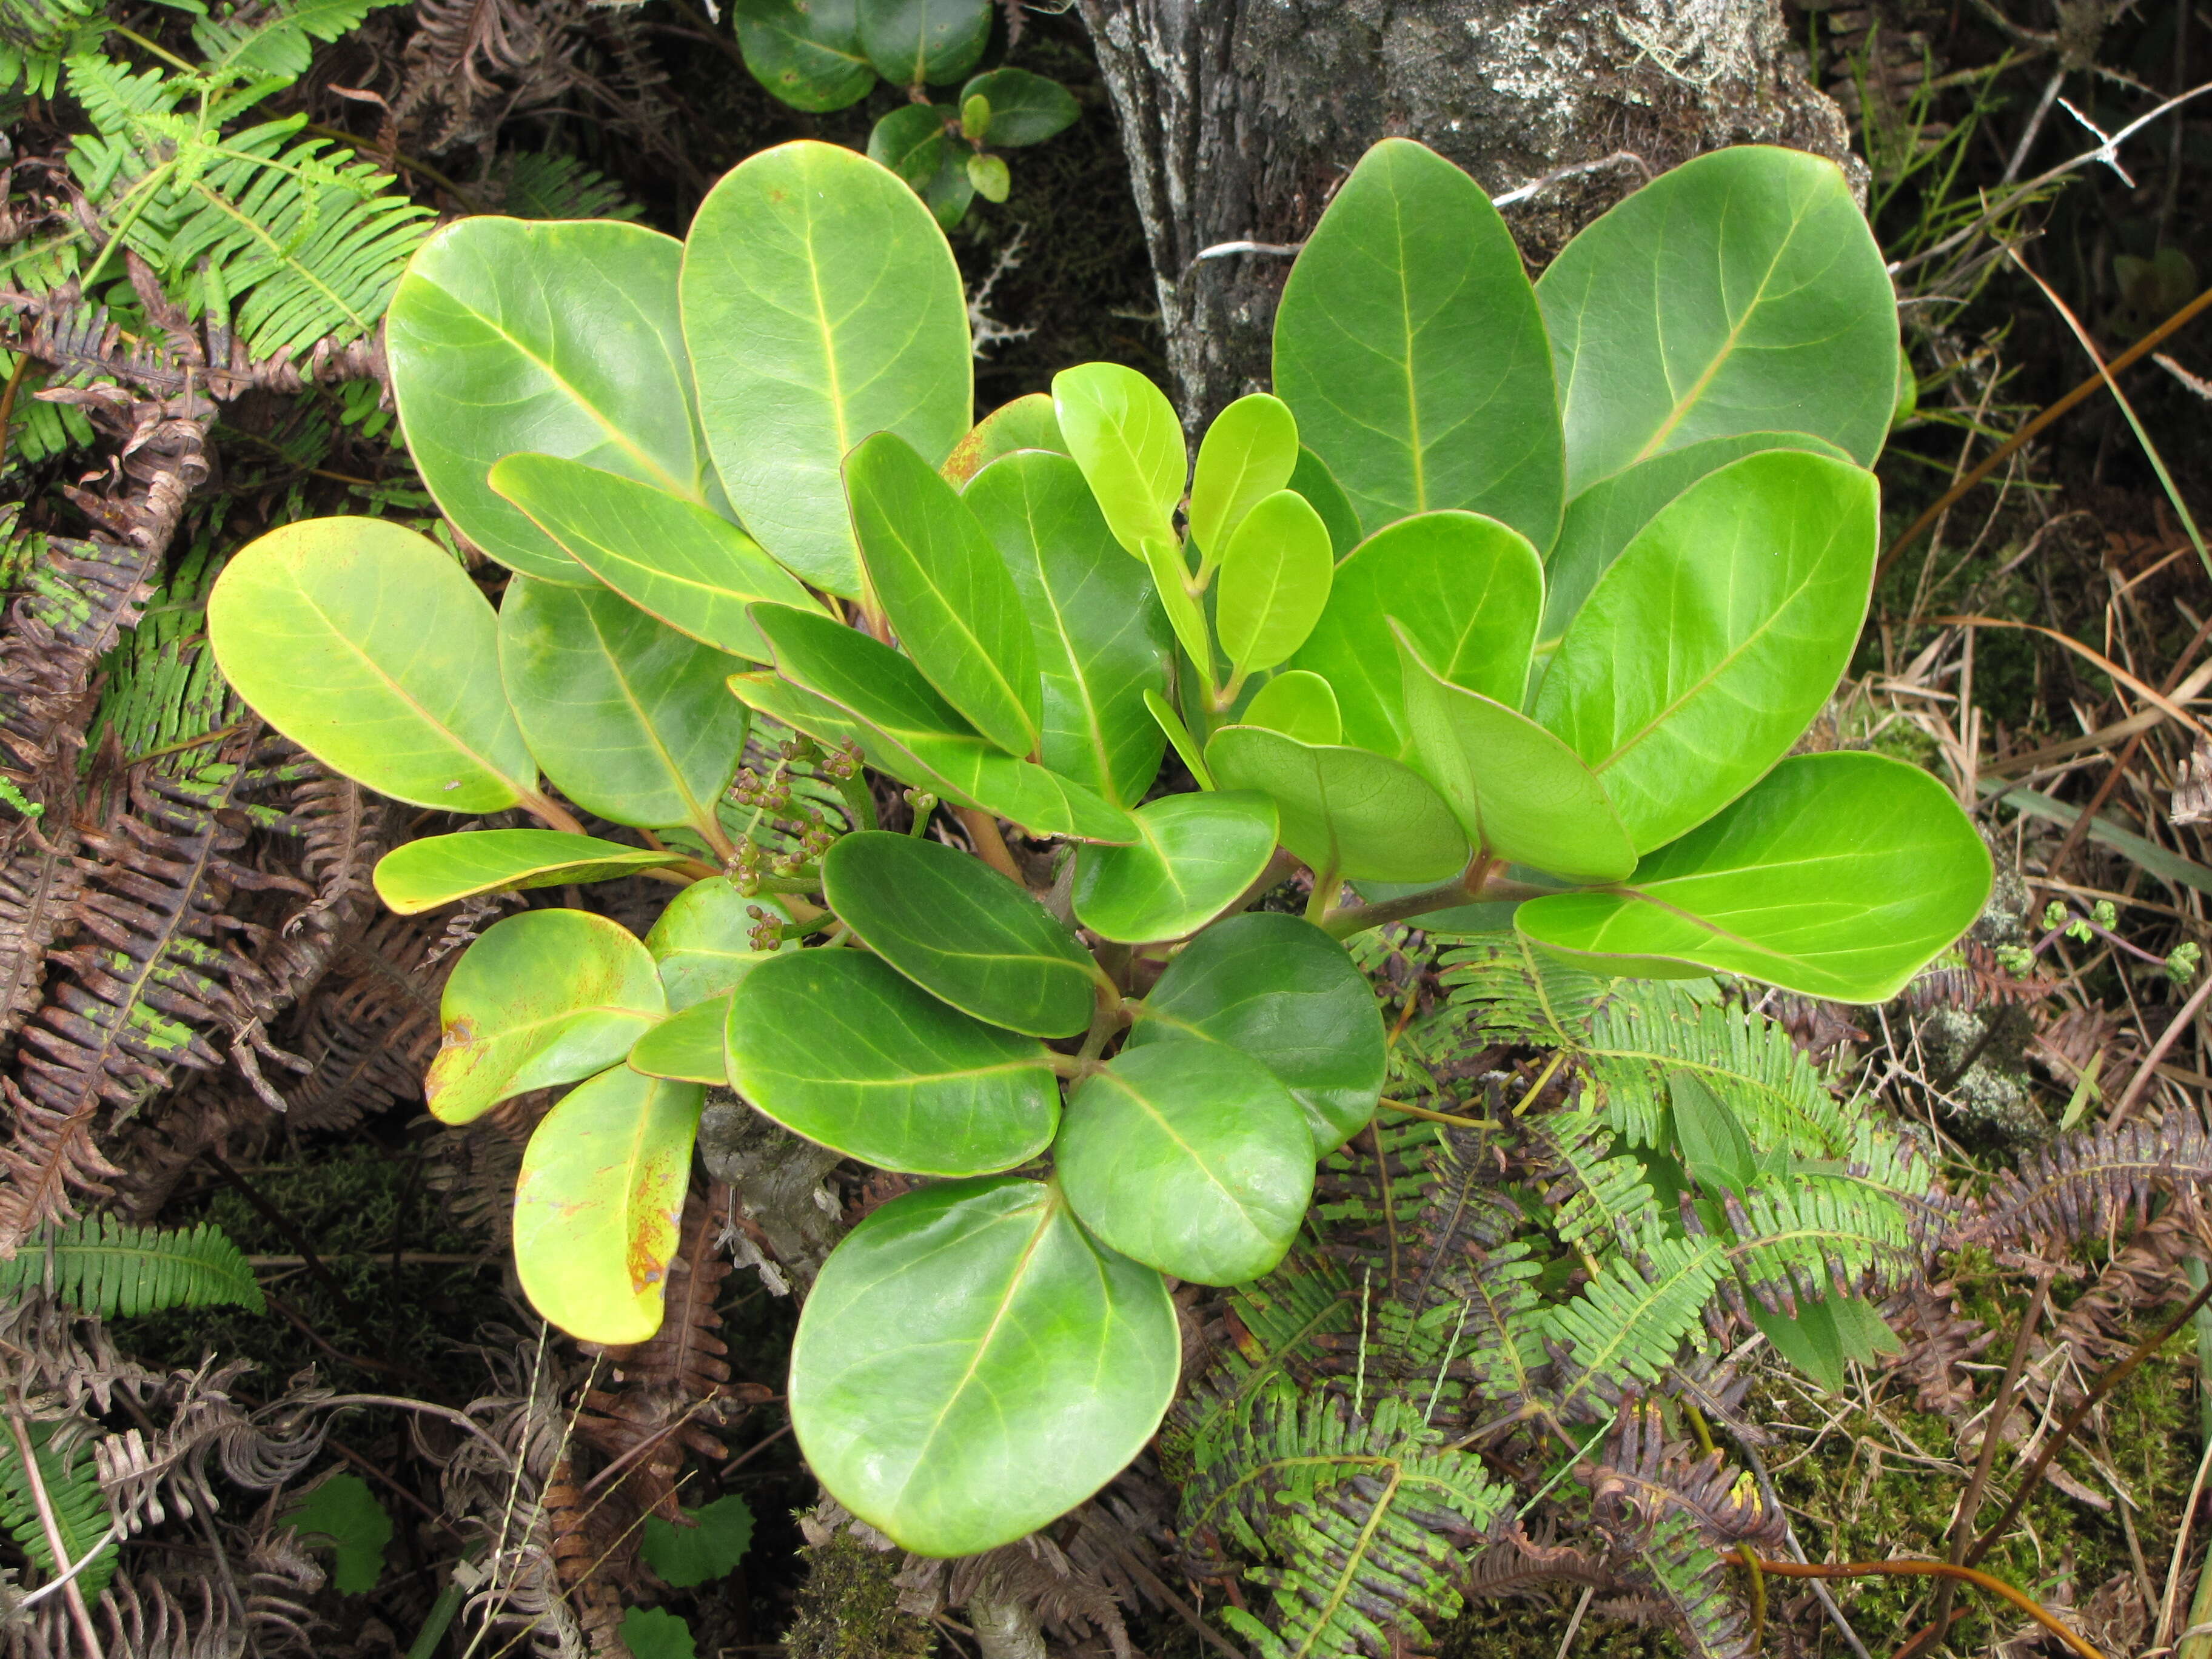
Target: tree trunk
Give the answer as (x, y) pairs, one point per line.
(1240, 117)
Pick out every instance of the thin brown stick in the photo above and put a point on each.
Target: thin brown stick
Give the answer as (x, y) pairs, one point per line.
(2180, 1023)
(2080, 827)
(1970, 1506)
(1988, 1582)
(2075, 1419)
(8, 398)
(80, 1615)
(1997, 457)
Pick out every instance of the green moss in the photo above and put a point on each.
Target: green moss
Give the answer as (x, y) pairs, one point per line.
(849, 1607)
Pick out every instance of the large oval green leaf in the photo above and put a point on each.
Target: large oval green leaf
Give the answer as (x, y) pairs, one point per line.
(1287, 994)
(1839, 875)
(962, 932)
(546, 996)
(367, 646)
(839, 1047)
(951, 601)
(1101, 638)
(1248, 454)
(1409, 347)
(906, 729)
(807, 52)
(1604, 518)
(692, 569)
(1741, 292)
(969, 1365)
(687, 1046)
(703, 940)
(599, 1203)
(1468, 589)
(1298, 704)
(1713, 640)
(560, 337)
(422, 875)
(1189, 1156)
(1124, 433)
(822, 304)
(1521, 793)
(1199, 852)
(1347, 813)
(1274, 580)
(631, 719)
(913, 43)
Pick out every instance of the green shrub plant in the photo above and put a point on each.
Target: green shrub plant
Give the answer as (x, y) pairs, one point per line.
(1513, 596)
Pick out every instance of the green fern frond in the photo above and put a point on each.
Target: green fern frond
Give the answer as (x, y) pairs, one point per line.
(1622, 1330)
(1504, 1340)
(36, 36)
(1363, 1521)
(1688, 1576)
(98, 1265)
(1276, 1320)
(1630, 1033)
(1804, 1235)
(260, 37)
(1610, 1204)
(536, 185)
(73, 1497)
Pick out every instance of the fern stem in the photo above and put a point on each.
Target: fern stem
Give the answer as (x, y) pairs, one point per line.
(1988, 1582)
(406, 163)
(8, 399)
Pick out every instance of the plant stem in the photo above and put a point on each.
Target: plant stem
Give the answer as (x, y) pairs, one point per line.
(551, 813)
(1327, 884)
(1988, 1582)
(990, 845)
(1466, 889)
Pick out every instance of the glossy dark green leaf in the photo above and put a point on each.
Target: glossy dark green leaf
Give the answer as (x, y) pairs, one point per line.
(957, 614)
(422, 875)
(631, 719)
(1839, 875)
(906, 729)
(1124, 433)
(1100, 639)
(1740, 292)
(961, 931)
(1274, 580)
(1026, 108)
(692, 569)
(1715, 1149)
(1189, 1156)
(839, 1047)
(687, 1046)
(1286, 992)
(599, 1203)
(1298, 704)
(1313, 480)
(1521, 793)
(1345, 811)
(969, 1365)
(1248, 454)
(367, 646)
(1199, 853)
(914, 42)
(1028, 423)
(1468, 591)
(1716, 637)
(1409, 346)
(821, 304)
(703, 940)
(910, 141)
(560, 337)
(545, 997)
(806, 52)
(1604, 518)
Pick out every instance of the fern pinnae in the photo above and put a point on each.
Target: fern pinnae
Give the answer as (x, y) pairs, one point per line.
(98, 1265)
(1623, 1330)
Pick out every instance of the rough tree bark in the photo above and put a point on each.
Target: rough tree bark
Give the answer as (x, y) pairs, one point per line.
(1239, 117)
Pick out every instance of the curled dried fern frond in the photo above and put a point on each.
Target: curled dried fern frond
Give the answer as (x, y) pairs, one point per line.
(2099, 1181)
